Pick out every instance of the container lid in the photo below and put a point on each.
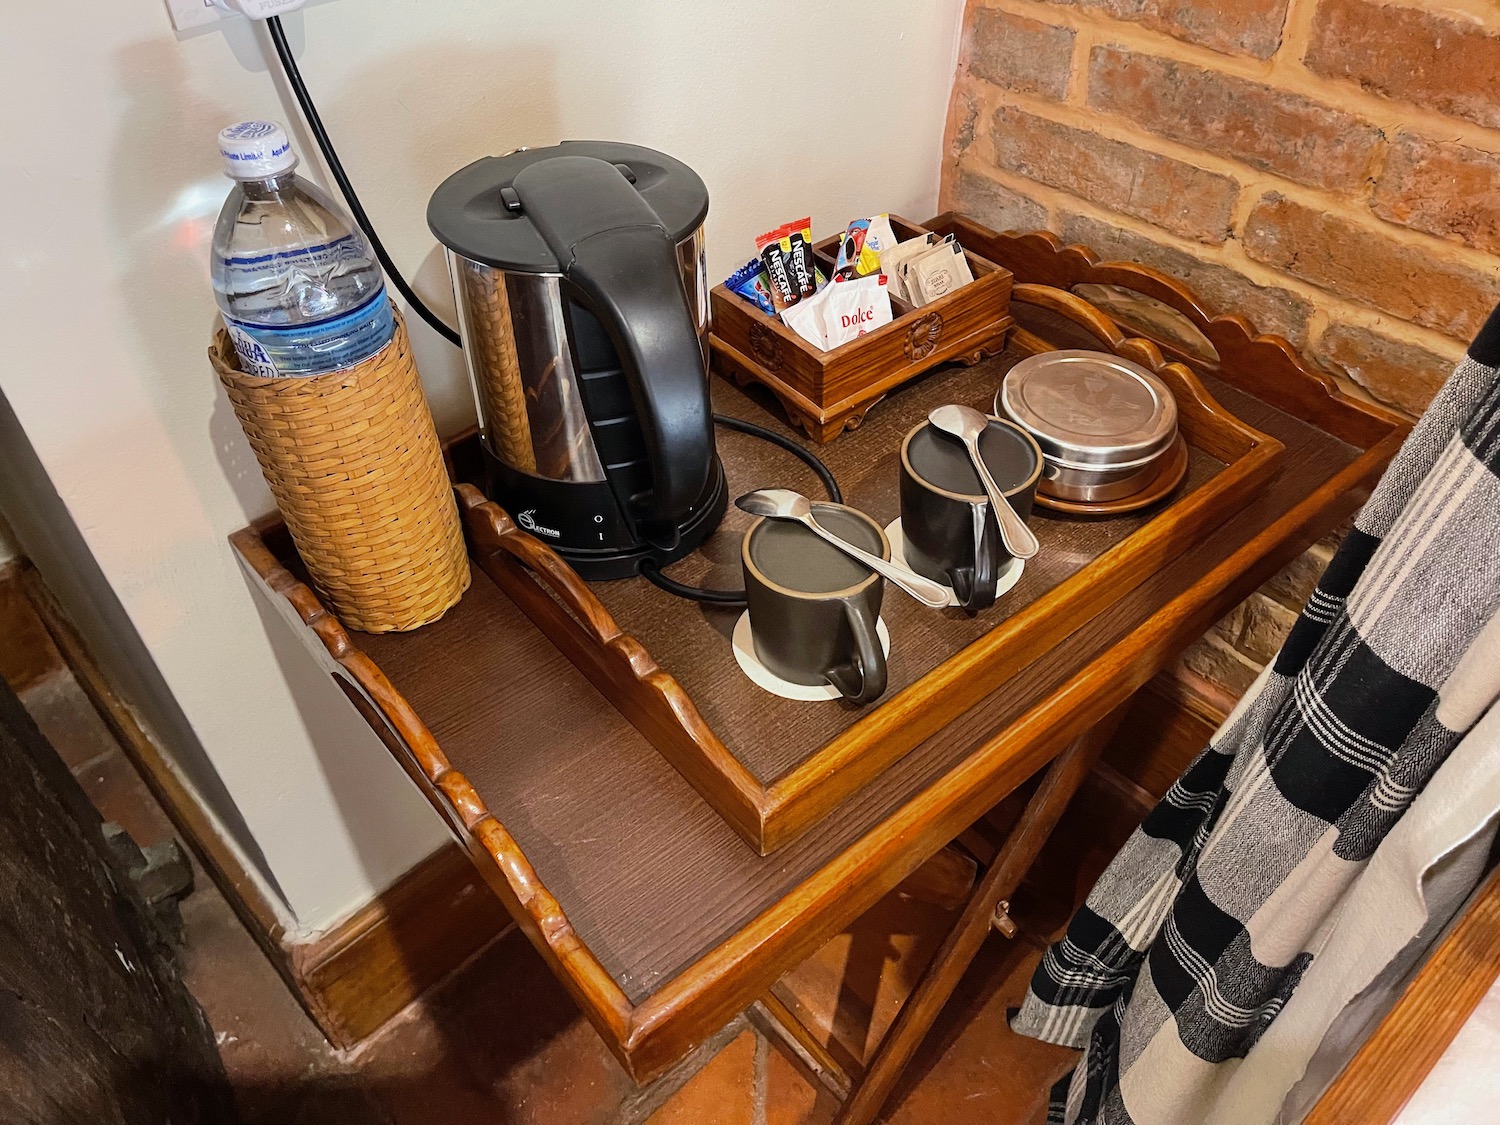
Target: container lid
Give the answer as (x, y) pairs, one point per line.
(254, 150)
(1090, 408)
(480, 211)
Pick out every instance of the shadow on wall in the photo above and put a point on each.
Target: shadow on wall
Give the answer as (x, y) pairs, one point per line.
(165, 153)
(350, 754)
(54, 544)
(456, 105)
(446, 86)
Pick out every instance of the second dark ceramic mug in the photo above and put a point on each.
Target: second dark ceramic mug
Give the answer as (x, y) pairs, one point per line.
(813, 609)
(951, 535)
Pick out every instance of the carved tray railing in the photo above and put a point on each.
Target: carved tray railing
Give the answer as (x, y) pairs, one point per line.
(1185, 328)
(772, 767)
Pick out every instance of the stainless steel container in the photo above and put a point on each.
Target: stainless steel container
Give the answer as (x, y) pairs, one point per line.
(1103, 423)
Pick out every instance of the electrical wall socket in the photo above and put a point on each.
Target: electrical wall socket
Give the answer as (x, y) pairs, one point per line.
(189, 14)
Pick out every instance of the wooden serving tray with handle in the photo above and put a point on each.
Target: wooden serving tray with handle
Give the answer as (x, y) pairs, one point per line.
(649, 908)
(773, 767)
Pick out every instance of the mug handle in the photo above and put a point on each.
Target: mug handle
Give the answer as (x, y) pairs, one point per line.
(862, 680)
(975, 586)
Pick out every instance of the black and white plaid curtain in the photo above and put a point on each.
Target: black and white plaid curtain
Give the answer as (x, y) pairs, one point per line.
(1197, 935)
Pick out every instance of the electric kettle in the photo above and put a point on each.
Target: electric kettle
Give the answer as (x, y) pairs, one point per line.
(578, 271)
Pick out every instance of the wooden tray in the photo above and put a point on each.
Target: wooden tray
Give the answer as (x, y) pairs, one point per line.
(826, 393)
(639, 897)
(772, 767)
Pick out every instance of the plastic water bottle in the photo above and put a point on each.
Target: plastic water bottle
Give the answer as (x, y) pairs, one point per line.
(300, 291)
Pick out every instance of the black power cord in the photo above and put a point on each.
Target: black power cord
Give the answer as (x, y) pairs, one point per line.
(806, 456)
(335, 166)
(736, 598)
(346, 189)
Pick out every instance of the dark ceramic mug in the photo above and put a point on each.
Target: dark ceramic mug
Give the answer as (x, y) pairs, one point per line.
(951, 534)
(813, 609)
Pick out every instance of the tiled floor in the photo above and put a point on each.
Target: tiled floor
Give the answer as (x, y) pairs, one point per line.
(501, 1042)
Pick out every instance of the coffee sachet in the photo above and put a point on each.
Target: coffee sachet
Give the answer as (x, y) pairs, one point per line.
(749, 281)
(787, 255)
(862, 245)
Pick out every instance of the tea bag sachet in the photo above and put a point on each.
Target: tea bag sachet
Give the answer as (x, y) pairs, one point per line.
(938, 272)
(894, 258)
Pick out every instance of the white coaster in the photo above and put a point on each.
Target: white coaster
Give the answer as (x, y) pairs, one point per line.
(1010, 573)
(761, 676)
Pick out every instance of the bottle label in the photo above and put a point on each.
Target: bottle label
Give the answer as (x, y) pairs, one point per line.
(254, 359)
(317, 347)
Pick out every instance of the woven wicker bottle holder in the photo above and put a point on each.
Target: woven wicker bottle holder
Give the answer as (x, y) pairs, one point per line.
(353, 460)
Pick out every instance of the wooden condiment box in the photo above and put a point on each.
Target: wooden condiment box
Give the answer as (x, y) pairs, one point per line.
(826, 393)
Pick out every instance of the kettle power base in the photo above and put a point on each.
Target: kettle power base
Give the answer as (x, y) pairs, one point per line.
(559, 509)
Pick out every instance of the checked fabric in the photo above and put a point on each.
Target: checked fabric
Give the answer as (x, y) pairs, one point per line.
(1199, 932)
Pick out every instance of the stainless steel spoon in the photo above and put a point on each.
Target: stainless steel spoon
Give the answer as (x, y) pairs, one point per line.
(966, 424)
(784, 504)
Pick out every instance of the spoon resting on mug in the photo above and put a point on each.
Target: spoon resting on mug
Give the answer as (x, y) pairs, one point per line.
(966, 424)
(784, 504)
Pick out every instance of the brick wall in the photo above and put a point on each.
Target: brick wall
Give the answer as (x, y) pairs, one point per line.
(1329, 168)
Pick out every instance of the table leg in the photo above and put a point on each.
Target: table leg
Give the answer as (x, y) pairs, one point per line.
(952, 959)
(946, 880)
(780, 1020)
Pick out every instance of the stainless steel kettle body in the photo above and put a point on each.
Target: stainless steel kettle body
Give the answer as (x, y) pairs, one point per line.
(521, 368)
(579, 277)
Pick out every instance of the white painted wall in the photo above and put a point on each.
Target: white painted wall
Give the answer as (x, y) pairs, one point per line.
(110, 187)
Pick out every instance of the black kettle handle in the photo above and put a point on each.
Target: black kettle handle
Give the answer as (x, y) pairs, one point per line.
(624, 267)
(630, 280)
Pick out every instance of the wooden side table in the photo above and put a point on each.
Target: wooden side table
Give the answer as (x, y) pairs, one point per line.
(659, 919)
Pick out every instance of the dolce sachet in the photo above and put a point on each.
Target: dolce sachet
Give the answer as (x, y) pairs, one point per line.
(841, 311)
(855, 307)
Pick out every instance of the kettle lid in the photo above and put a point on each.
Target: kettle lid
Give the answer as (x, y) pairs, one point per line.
(477, 212)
